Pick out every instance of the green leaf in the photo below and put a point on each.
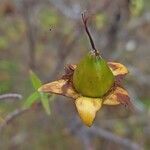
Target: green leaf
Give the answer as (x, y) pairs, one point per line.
(45, 102)
(136, 7)
(36, 82)
(48, 18)
(32, 99)
(3, 43)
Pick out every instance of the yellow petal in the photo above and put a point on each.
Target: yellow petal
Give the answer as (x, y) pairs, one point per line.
(117, 68)
(117, 96)
(62, 87)
(87, 108)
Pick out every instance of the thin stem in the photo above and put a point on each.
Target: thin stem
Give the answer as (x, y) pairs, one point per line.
(85, 19)
(10, 117)
(10, 96)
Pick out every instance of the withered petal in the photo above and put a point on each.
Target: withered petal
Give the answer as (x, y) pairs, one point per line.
(118, 69)
(87, 108)
(116, 96)
(62, 87)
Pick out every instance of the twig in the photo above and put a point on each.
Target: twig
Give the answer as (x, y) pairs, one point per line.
(99, 132)
(10, 117)
(27, 10)
(79, 130)
(76, 128)
(64, 53)
(86, 140)
(10, 96)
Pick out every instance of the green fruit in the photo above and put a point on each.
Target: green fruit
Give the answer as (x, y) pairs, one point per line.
(92, 77)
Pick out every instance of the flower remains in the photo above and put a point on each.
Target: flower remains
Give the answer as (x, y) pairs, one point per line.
(87, 107)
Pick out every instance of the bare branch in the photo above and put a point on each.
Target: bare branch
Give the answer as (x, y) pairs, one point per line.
(27, 9)
(99, 132)
(64, 53)
(10, 96)
(10, 117)
(80, 131)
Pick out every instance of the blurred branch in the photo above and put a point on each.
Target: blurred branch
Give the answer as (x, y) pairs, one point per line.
(76, 128)
(138, 105)
(118, 14)
(86, 140)
(85, 134)
(99, 132)
(72, 12)
(140, 77)
(27, 11)
(10, 96)
(10, 117)
(137, 22)
(65, 49)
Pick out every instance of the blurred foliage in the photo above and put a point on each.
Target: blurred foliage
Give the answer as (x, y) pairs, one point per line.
(8, 70)
(146, 102)
(35, 96)
(13, 30)
(100, 20)
(137, 6)
(48, 18)
(3, 43)
(35, 130)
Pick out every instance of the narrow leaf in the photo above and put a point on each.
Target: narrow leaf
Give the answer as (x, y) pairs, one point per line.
(45, 102)
(31, 99)
(36, 82)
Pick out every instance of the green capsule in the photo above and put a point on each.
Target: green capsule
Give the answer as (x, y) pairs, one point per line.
(92, 77)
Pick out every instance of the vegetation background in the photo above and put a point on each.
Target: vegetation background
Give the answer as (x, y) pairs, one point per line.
(43, 36)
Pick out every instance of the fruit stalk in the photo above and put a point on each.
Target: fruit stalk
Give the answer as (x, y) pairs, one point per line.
(85, 19)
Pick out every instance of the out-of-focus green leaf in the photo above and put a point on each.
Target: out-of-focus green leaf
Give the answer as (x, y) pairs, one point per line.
(8, 71)
(120, 128)
(100, 20)
(15, 30)
(67, 28)
(36, 82)
(32, 99)
(48, 18)
(136, 7)
(3, 42)
(45, 102)
(8, 65)
(146, 102)
(1, 120)
(5, 86)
